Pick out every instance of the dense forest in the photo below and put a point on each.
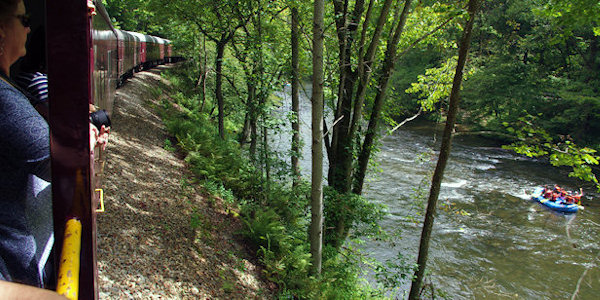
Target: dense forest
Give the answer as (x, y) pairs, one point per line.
(530, 80)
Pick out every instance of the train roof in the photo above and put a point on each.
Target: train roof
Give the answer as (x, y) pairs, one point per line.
(150, 38)
(120, 34)
(160, 40)
(139, 36)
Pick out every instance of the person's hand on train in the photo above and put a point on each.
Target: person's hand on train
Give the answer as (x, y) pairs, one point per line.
(98, 137)
(91, 8)
(103, 136)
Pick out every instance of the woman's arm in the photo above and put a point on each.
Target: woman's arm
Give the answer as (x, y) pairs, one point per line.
(16, 291)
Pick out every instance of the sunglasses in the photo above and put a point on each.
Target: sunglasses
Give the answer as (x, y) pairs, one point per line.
(25, 19)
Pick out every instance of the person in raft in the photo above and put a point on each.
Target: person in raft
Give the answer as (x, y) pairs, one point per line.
(573, 198)
(558, 193)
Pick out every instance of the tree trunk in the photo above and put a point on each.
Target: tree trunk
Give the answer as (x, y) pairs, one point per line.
(295, 99)
(340, 152)
(341, 142)
(266, 159)
(344, 145)
(592, 62)
(253, 133)
(388, 68)
(245, 134)
(366, 64)
(205, 70)
(262, 96)
(316, 225)
(219, 85)
(438, 174)
(253, 111)
(249, 117)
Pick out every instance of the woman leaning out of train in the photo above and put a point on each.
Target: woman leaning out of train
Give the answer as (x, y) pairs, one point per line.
(26, 229)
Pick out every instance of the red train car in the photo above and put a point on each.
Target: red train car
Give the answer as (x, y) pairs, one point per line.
(86, 59)
(139, 51)
(161, 50)
(168, 51)
(73, 85)
(152, 52)
(108, 53)
(128, 54)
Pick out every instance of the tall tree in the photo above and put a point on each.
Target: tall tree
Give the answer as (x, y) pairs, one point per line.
(341, 151)
(219, 24)
(259, 47)
(358, 58)
(363, 74)
(295, 82)
(347, 25)
(249, 55)
(134, 15)
(316, 225)
(438, 174)
(387, 69)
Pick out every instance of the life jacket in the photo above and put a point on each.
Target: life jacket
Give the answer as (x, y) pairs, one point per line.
(547, 193)
(570, 199)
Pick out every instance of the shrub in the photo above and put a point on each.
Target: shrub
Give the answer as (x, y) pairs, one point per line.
(276, 216)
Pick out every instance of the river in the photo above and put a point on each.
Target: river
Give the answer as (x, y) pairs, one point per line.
(489, 241)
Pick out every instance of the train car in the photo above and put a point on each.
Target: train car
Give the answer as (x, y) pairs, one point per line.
(73, 82)
(171, 54)
(120, 52)
(152, 52)
(168, 51)
(126, 55)
(108, 53)
(161, 50)
(129, 48)
(139, 51)
(86, 59)
(80, 59)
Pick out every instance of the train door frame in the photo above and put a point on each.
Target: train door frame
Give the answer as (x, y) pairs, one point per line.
(69, 43)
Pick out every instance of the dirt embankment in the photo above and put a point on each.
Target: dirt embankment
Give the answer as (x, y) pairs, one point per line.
(161, 237)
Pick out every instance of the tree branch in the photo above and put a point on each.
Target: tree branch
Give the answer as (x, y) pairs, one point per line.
(578, 285)
(232, 83)
(425, 36)
(406, 120)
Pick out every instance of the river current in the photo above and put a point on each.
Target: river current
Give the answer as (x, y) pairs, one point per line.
(489, 241)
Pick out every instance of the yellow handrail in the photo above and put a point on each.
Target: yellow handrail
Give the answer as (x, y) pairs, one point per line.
(68, 271)
(101, 200)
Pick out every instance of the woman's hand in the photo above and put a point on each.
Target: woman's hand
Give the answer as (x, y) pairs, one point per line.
(98, 137)
(103, 136)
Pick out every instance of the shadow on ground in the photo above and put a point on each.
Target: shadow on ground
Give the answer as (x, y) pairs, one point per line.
(147, 248)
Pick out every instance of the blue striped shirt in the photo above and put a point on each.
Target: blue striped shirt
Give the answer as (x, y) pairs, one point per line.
(36, 84)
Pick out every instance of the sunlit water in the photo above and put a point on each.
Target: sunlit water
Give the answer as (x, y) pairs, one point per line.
(490, 241)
